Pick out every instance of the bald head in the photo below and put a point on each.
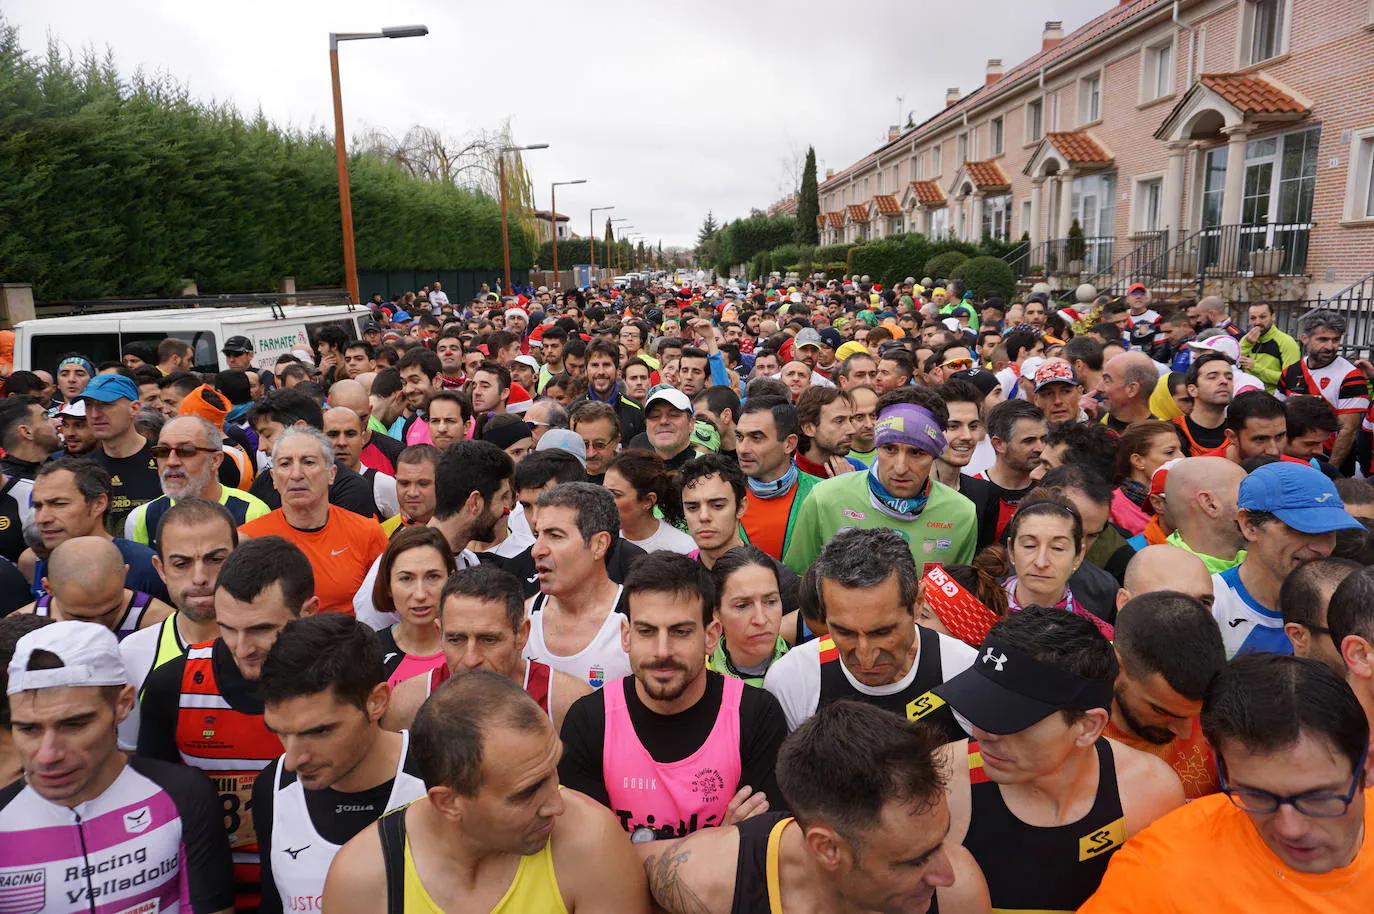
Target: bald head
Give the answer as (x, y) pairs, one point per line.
(1202, 493)
(366, 379)
(85, 576)
(1134, 368)
(1211, 305)
(1194, 476)
(1166, 567)
(350, 394)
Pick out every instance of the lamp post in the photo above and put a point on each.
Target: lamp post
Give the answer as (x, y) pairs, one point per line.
(591, 235)
(341, 153)
(617, 247)
(553, 220)
(622, 233)
(501, 179)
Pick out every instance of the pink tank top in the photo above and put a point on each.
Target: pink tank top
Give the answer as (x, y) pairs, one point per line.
(656, 800)
(414, 665)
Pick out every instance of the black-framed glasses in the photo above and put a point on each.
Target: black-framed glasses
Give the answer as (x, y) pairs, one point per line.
(184, 451)
(1316, 629)
(1313, 805)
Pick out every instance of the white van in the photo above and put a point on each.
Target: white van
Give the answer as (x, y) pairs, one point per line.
(273, 329)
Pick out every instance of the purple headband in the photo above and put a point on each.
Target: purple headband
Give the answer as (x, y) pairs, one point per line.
(907, 423)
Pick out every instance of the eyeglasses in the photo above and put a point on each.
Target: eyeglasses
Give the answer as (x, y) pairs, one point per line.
(1313, 805)
(184, 451)
(958, 364)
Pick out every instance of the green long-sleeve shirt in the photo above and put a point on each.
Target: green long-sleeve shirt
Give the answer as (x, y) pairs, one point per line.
(1274, 352)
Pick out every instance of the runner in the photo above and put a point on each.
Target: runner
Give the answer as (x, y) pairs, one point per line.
(88, 822)
(874, 652)
(1288, 733)
(484, 627)
(85, 583)
(1169, 650)
(674, 747)
(867, 832)
(111, 405)
(415, 468)
(749, 610)
(1038, 797)
(1017, 431)
(202, 535)
(575, 617)
(1305, 599)
(494, 832)
(323, 694)
(1323, 372)
(897, 492)
(205, 710)
(339, 544)
(1289, 514)
(410, 577)
(768, 433)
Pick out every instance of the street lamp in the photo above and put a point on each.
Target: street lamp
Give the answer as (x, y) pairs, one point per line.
(622, 232)
(341, 154)
(501, 179)
(553, 219)
(591, 236)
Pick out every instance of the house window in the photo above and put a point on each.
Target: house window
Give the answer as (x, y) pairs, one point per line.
(1265, 29)
(1025, 215)
(1090, 98)
(918, 167)
(894, 225)
(936, 163)
(997, 139)
(1159, 71)
(963, 147)
(1149, 201)
(1035, 120)
(997, 217)
(939, 222)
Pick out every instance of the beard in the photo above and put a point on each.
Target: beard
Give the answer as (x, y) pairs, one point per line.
(661, 691)
(1158, 736)
(193, 483)
(1321, 360)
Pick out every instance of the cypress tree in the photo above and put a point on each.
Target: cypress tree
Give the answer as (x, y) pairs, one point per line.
(808, 202)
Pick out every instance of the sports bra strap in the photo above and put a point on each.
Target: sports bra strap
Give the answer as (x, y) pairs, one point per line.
(391, 830)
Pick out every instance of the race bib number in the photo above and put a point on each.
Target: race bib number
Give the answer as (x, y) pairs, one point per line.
(236, 801)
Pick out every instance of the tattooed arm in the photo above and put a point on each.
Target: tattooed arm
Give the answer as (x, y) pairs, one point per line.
(693, 875)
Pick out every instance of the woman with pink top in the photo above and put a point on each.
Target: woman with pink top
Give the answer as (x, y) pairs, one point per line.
(410, 578)
(1145, 447)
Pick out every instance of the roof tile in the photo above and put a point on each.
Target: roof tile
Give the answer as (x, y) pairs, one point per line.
(986, 174)
(857, 212)
(928, 192)
(1079, 147)
(887, 205)
(836, 219)
(1252, 94)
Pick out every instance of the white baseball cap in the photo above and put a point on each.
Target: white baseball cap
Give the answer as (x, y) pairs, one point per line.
(89, 654)
(74, 408)
(528, 360)
(1222, 342)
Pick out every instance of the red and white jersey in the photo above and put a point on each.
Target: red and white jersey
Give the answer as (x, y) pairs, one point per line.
(1341, 383)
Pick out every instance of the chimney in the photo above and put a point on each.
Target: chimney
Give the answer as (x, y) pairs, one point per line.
(829, 173)
(951, 96)
(994, 71)
(1053, 34)
(893, 132)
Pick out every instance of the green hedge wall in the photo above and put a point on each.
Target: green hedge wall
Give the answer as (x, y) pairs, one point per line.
(124, 189)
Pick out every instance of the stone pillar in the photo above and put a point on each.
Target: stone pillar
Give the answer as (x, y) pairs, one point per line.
(1171, 215)
(286, 285)
(1037, 200)
(16, 303)
(1065, 179)
(1234, 192)
(975, 229)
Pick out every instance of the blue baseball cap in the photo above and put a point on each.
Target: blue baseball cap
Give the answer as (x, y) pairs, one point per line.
(1297, 494)
(107, 388)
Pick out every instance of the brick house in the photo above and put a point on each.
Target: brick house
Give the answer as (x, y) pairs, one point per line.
(1217, 145)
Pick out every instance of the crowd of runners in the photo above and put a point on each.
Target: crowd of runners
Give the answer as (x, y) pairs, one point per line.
(699, 597)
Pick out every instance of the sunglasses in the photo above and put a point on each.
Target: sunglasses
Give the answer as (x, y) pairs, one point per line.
(184, 451)
(958, 364)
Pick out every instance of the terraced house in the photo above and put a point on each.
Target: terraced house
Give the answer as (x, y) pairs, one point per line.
(1217, 145)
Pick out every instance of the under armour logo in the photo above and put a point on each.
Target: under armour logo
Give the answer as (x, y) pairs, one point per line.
(992, 657)
(1323, 497)
(296, 851)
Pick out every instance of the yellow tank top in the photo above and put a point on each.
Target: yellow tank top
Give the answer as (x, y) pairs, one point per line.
(534, 890)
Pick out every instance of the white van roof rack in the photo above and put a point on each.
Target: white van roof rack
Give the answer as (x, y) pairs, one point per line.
(272, 300)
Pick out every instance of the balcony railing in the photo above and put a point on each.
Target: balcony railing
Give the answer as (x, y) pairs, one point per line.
(1268, 249)
(1072, 256)
(1018, 258)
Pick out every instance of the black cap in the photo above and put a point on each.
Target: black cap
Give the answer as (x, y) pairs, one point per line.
(237, 344)
(1007, 690)
(980, 378)
(370, 325)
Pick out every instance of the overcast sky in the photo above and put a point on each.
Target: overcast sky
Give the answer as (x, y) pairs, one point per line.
(712, 98)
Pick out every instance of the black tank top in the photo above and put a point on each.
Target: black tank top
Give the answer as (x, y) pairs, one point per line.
(752, 891)
(1043, 869)
(915, 702)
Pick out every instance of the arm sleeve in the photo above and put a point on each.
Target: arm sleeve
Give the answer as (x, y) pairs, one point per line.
(719, 376)
(209, 867)
(263, 794)
(584, 730)
(158, 714)
(762, 730)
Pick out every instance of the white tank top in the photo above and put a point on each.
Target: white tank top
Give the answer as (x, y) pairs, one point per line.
(300, 874)
(601, 661)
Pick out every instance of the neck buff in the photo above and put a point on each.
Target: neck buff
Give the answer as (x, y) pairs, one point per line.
(912, 425)
(775, 489)
(1138, 493)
